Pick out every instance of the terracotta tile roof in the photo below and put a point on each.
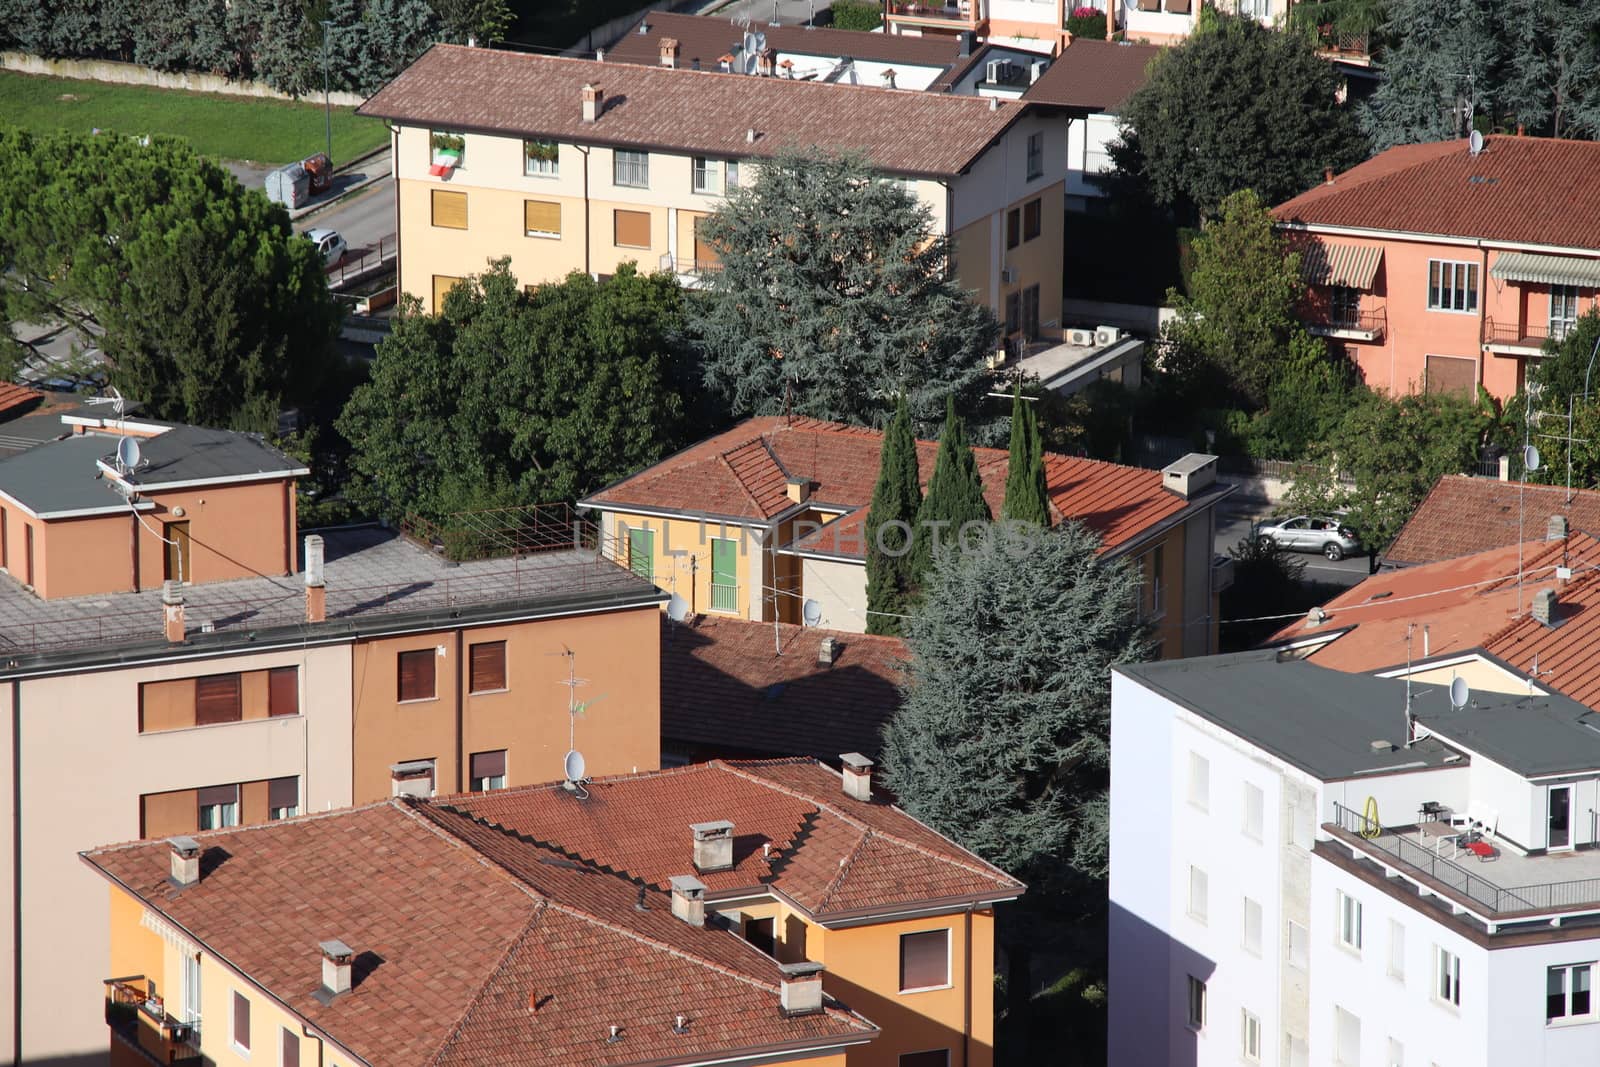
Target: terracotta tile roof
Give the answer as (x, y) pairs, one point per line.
(13, 395)
(1462, 515)
(456, 925)
(519, 94)
(1528, 190)
(726, 691)
(726, 476)
(814, 832)
(1094, 75)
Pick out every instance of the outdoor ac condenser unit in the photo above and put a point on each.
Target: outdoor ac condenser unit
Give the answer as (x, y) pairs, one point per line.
(993, 71)
(1080, 337)
(1107, 335)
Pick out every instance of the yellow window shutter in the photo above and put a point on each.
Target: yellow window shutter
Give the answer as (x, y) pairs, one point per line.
(542, 216)
(442, 284)
(450, 209)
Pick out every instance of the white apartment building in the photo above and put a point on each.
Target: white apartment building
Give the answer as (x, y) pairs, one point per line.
(1291, 883)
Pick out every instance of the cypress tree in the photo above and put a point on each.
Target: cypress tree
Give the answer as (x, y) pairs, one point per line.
(1026, 497)
(955, 497)
(895, 499)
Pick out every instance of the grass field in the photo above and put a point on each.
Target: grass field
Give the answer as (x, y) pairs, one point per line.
(227, 127)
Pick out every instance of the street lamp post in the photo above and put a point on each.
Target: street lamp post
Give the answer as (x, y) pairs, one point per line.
(327, 108)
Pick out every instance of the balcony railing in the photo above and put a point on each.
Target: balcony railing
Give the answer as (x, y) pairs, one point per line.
(140, 1020)
(1329, 320)
(965, 13)
(1344, 44)
(680, 265)
(1524, 334)
(724, 597)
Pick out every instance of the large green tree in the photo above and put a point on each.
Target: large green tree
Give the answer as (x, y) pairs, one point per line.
(954, 501)
(1237, 106)
(207, 305)
(515, 398)
(834, 299)
(890, 524)
(1027, 496)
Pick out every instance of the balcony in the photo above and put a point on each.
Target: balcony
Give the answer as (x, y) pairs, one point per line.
(724, 596)
(691, 272)
(963, 15)
(1506, 888)
(1520, 338)
(141, 1022)
(1345, 46)
(1349, 324)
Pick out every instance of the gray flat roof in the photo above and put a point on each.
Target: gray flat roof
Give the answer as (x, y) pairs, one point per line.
(62, 477)
(1536, 735)
(194, 453)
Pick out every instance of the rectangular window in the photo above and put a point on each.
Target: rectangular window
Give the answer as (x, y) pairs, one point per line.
(630, 169)
(1349, 920)
(486, 670)
(1344, 304)
(283, 691)
(416, 675)
(1252, 927)
(1346, 1038)
(762, 933)
(1302, 830)
(218, 698)
(705, 175)
(450, 209)
(1397, 1053)
(541, 218)
(219, 806)
(241, 1022)
(642, 553)
(1568, 993)
(1032, 212)
(1298, 937)
(442, 284)
(1299, 1052)
(283, 798)
(1199, 781)
(1013, 313)
(1198, 893)
(1397, 950)
(1452, 286)
(1035, 156)
(724, 574)
(730, 175)
(289, 1049)
(924, 960)
(1253, 807)
(447, 149)
(1013, 228)
(1197, 1004)
(488, 770)
(1447, 976)
(1250, 1037)
(541, 159)
(631, 229)
(1563, 310)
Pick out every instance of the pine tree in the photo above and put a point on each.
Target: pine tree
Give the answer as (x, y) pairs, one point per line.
(895, 499)
(1027, 499)
(955, 497)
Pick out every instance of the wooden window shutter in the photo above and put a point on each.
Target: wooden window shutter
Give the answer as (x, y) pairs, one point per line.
(283, 691)
(541, 216)
(283, 792)
(488, 666)
(633, 228)
(450, 209)
(218, 698)
(489, 764)
(417, 675)
(925, 959)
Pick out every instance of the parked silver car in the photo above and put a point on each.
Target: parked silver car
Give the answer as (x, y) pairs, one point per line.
(329, 244)
(1311, 533)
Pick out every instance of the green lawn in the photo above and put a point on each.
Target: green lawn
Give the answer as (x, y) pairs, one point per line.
(228, 127)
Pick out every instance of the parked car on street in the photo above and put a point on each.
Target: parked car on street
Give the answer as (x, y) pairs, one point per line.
(329, 243)
(1311, 533)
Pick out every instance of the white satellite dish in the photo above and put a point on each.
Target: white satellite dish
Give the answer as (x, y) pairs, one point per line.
(811, 613)
(128, 454)
(1459, 693)
(1530, 457)
(677, 608)
(574, 766)
(1475, 142)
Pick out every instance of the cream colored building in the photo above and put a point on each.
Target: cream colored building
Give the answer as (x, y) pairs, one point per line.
(581, 165)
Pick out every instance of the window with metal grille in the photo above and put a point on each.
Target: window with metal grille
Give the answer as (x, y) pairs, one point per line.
(218, 698)
(416, 675)
(630, 169)
(487, 667)
(924, 960)
(1563, 310)
(705, 175)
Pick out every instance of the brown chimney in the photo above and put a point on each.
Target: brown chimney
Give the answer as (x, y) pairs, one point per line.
(713, 845)
(172, 608)
(316, 589)
(593, 98)
(688, 899)
(1546, 606)
(1521, 130)
(857, 776)
(767, 63)
(185, 861)
(800, 993)
(669, 51)
(1327, 175)
(336, 958)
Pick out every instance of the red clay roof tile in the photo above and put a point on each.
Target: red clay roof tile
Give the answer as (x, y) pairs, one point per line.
(1462, 515)
(1094, 75)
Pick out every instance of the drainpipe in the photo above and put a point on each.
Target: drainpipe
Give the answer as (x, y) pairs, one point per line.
(1483, 303)
(585, 152)
(966, 1026)
(306, 1031)
(16, 870)
(461, 727)
(394, 175)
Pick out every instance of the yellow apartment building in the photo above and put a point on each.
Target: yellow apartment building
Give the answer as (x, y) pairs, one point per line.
(566, 164)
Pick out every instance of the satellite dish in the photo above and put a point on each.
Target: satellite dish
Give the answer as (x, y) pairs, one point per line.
(1459, 693)
(1530, 457)
(811, 613)
(575, 766)
(1475, 142)
(128, 453)
(677, 608)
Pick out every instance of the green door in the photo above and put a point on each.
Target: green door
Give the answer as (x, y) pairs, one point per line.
(642, 553)
(724, 574)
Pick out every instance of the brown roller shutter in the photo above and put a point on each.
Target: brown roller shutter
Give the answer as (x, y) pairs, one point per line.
(291, 1049)
(1450, 374)
(489, 764)
(633, 229)
(449, 209)
(217, 794)
(416, 675)
(541, 216)
(488, 670)
(925, 959)
(283, 792)
(283, 691)
(217, 699)
(442, 284)
(168, 814)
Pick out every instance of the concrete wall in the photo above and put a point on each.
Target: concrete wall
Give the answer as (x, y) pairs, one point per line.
(105, 70)
(1088, 142)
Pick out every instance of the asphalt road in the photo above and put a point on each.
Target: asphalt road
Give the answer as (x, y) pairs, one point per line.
(1235, 518)
(364, 218)
(760, 12)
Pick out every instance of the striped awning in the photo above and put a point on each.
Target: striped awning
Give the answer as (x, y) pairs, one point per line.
(1352, 266)
(1546, 270)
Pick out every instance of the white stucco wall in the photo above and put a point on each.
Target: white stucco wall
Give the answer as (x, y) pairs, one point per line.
(841, 589)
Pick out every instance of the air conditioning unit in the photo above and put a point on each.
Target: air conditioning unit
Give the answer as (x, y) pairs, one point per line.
(1008, 275)
(1084, 338)
(1107, 335)
(992, 72)
(1036, 68)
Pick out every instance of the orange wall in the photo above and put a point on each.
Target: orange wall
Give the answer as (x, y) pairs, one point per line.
(617, 652)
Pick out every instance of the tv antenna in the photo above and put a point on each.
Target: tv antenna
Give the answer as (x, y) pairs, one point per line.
(118, 403)
(1530, 463)
(574, 767)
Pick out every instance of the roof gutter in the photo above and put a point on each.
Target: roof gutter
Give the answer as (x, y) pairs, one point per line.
(663, 513)
(764, 1053)
(1189, 510)
(1432, 238)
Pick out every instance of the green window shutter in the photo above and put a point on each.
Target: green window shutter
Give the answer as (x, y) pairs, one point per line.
(724, 574)
(642, 553)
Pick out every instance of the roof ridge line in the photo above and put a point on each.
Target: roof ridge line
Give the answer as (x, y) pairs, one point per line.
(845, 866)
(494, 972)
(203, 835)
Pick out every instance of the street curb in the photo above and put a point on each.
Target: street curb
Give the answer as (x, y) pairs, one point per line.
(308, 212)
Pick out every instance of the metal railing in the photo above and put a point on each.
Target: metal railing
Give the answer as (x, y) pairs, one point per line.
(679, 265)
(724, 597)
(140, 1020)
(968, 13)
(1347, 318)
(1531, 335)
(1579, 894)
(353, 268)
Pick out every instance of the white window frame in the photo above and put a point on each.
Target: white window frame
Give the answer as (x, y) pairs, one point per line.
(541, 168)
(192, 984)
(1299, 946)
(1195, 1005)
(1568, 1017)
(705, 176)
(1446, 977)
(1453, 286)
(274, 814)
(1255, 805)
(227, 815)
(1342, 1055)
(234, 997)
(1396, 965)
(1250, 1036)
(1347, 922)
(636, 164)
(1199, 782)
(484, 785)
(1397, 1053)
(730, 175)
(1199, 894)
(1250, 937)
(1565, 298)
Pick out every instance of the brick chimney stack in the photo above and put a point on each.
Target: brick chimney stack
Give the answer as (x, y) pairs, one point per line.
(669, 51)
(593, 98)
(172, 608)
(316, 587)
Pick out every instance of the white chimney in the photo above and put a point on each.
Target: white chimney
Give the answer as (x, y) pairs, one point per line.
(185, 861)
(669, 51)
(827, 652)
(688, 899)
(857, 776)
(1556, 528)
(172, 609)
(316, 591)
(336, 957)
(592, 99)
(1190, 475)
(713, 845)
(800, 993)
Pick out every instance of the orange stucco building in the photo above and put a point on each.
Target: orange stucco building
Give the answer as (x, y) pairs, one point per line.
(1439, 268)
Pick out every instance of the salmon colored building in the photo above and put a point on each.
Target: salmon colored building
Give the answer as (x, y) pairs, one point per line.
(730, 913)
(1442, 269)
